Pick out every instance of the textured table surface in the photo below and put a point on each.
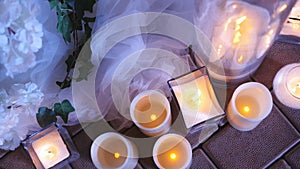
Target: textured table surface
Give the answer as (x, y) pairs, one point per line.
(275, 143)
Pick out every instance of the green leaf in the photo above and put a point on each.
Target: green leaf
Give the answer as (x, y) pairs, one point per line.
(64, 84)
(63, 109)
(67, 27)
(45, 116)
(53, 3)
(67, 106)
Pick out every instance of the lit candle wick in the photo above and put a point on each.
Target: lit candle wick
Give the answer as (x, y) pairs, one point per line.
(173, 156)
(240, 59)
(117, 155)
(153, 117)
(246, 109)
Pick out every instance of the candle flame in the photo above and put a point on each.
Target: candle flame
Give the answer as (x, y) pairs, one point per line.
(237, 35)
(219, 49)
(240, 20)
(173, 156)
(240, 59)
(117, 155)
(153, 117)
(246, 109)
(234, 6)
(49, 152)
(282, 8)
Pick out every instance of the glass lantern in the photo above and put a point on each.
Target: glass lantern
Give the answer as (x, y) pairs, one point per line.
(241, 32)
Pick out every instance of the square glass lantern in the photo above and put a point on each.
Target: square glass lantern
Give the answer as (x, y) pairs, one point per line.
(196, 99)
(51, 147)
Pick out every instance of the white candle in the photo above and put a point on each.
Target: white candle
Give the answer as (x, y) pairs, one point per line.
(151, 113)
(197, 101)
(112, 150)
(286, 85)
(292, 25)
(172, 151)
(50, 149)
(250, 104)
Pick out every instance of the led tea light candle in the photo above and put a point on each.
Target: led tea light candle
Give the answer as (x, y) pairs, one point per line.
(112, 150)
(250, 104)
(286, 85)
(195, 97)
(51, 148)
(151, 113)
(172, 151)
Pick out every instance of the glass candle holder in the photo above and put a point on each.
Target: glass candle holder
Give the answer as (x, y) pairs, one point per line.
(196, 98)
(52, 147)
(241, 32)
(286, 85)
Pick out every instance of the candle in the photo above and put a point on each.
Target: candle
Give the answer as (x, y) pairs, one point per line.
(237, 36)
(286, 85)
(172, 151)
(112, 150)
(196, 98)
(292, 25)
(51, 147)
(151, 113)
(250, 104)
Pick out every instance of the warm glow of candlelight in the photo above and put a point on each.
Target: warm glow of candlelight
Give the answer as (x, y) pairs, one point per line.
(282, 8)
(238, 34)
(49, 152)
(153, 117)
(246, 109)
(117, 155)
(173, 156)
(240, 59)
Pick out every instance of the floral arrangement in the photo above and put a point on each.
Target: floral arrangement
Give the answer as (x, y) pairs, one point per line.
(22, 37)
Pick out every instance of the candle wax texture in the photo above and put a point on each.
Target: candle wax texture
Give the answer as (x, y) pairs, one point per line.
(150, 112)
(196, 100)
(172, 153)
(50, 149)
(112, 153)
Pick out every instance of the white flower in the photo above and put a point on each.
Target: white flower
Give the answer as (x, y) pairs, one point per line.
(20, 35)
(27, 96)
(19, 104)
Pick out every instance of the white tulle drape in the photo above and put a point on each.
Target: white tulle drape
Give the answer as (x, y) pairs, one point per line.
(140, 60)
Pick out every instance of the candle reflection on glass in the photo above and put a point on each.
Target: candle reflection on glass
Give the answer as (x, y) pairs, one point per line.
(250, 104)
(172, 151)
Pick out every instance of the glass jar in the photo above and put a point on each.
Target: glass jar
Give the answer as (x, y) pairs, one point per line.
(241, 32)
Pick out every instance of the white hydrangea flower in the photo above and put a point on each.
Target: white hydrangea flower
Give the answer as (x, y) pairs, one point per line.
(20, 35)
(21, 102)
